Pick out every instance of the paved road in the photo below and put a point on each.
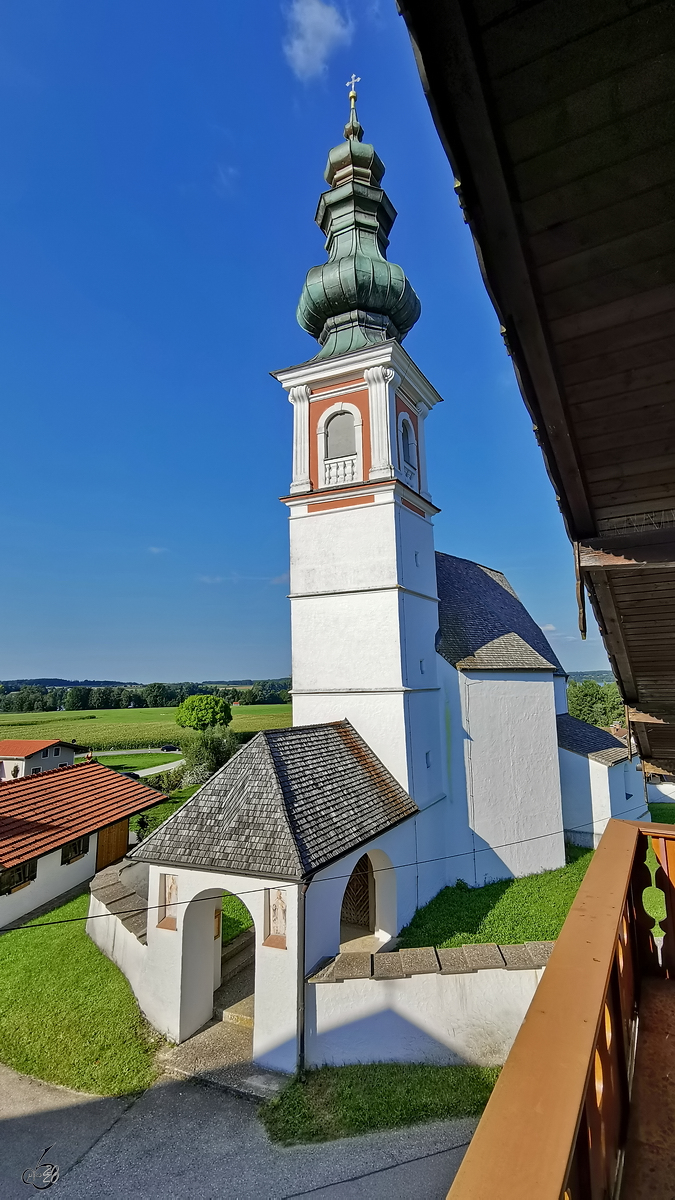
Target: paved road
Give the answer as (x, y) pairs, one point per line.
(162, 767)
(187, 1141)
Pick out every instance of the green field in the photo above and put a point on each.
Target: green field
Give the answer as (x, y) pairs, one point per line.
(129, 728)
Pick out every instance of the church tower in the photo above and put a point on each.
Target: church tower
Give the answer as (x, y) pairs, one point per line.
(363, 576)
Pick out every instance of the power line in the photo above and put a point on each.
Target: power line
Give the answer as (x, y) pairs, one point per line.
(329, 879)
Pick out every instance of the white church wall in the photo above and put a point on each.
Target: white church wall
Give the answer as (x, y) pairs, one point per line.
(469, 1018)
(345, 642)
(342, 548)
(593, 792)
(460, 863)
(513, 777)
(661, 793)
(560, 690)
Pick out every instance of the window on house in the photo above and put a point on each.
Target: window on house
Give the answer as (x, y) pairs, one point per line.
(408, 447)
(36, 771)
(168, 901)
(74, 850)
(340, 436)
(17, 877)
(45, 753)
(57, 751)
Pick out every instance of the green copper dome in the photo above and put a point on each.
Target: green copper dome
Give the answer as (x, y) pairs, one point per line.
(357, 298)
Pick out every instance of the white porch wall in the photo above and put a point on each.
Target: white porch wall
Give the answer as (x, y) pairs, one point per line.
(445, 1019)
(173, 976)
(52, 880)
(513, 777)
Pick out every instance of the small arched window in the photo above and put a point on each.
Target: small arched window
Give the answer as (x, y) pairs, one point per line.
(408, 448)
(340, 436)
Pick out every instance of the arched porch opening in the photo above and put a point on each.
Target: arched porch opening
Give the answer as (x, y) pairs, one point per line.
(369, 902)
(218, 961)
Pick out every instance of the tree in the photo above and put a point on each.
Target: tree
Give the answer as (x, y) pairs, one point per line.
(209, 749)
(156, 695)
(77, 698)
(203, 712)
(596, 705)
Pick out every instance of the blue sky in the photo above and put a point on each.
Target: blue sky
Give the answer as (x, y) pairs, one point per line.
(161, 165)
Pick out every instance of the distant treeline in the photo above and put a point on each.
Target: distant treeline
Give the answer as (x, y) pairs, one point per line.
(34, 698)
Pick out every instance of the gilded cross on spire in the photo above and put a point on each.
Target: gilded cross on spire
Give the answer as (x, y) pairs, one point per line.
(351, 84)
(353, 128)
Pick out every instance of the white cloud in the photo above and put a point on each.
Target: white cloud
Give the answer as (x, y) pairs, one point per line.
(157, 549)
(280, 578)
(210, 578)
(547, 628)
(315, 30)
(226, 179)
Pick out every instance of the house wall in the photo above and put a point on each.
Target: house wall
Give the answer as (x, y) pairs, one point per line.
(27, 764)
(512, 772)
(52, 880)
(444, 1019)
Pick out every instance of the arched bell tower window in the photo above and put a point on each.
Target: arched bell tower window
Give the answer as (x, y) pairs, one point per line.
(340, 436)
(340, 445)
(407, 451)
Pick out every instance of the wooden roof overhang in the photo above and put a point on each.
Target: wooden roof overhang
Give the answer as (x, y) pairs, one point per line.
(558, 117)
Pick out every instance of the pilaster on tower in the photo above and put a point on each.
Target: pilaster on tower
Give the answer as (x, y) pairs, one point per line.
(364, 608)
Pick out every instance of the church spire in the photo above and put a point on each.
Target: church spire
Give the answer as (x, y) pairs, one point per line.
(357, 298)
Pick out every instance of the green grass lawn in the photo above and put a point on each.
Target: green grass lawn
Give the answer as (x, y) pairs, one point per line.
(336, 1102)
(135, 762)
(510, 911)
(128, 728)
(664, 814)
(68, 1014)
(236, 917)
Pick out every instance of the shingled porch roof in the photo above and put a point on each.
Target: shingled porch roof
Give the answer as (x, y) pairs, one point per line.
(288, 803)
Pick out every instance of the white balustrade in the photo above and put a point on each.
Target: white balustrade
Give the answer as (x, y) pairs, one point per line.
(339, 470)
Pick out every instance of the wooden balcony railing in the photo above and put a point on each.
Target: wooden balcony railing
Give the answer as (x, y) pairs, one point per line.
(556, 1125)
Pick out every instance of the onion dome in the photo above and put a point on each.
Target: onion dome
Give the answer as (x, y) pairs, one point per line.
(357, 298)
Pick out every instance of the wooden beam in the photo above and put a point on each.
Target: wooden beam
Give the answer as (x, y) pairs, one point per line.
(601, 554)
(611, 629)
(636, 717)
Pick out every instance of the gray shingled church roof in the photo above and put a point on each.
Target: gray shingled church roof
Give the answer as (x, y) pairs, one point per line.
(288, 803)
(582, 738)
(482, 624)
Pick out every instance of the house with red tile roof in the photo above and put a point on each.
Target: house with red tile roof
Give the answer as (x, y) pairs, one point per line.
(30, 756)
(59, 827)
